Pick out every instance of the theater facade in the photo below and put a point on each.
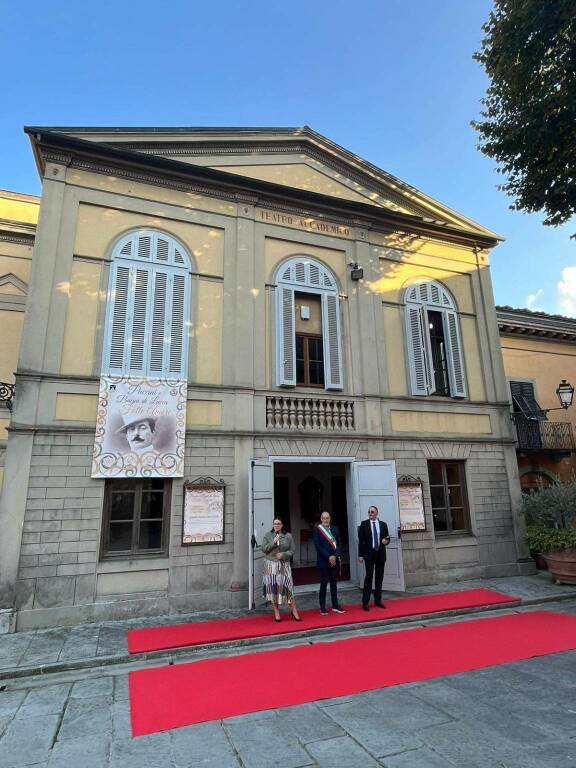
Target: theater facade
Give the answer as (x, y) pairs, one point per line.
(223, 325)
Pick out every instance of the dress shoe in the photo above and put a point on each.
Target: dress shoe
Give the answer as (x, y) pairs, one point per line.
(380, 605)
(365, 608)
(277, 618)
(296, 618)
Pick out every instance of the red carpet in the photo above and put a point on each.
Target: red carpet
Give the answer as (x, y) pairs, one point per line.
(220, 630)
(175, 696)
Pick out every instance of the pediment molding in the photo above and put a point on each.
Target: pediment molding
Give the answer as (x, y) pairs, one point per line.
(102, 158)
(267, 148)
(11, 279)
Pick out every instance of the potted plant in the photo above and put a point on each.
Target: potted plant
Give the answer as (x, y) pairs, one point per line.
(551, 528)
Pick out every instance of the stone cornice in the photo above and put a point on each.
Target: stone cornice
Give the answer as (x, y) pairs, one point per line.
(21, 238)
(136, 166)
(523, 322)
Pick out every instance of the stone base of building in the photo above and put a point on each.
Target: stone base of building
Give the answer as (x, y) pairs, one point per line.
(7, 621)
(127, 607)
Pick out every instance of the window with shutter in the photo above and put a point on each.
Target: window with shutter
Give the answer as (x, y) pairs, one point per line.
(524, 399)
(304, 276)
(148, 307)
(433, 342)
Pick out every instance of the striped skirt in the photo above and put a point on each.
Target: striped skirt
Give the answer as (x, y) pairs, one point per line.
(277, 585)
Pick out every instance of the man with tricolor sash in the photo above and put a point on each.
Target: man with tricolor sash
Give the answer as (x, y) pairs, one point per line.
(328, 552)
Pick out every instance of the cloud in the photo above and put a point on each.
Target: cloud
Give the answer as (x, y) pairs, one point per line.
(566, 288)
(531, 300)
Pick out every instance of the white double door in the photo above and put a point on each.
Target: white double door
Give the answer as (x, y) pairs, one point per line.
(370, 483)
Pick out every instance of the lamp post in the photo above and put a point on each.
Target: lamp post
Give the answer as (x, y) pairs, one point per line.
(565, 394)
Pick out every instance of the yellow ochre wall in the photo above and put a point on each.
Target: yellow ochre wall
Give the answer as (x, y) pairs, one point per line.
(545, 363)
(20, 213)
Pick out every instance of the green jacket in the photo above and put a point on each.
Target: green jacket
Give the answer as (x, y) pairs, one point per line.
(286, 546)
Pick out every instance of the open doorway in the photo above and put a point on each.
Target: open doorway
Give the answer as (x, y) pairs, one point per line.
(302, 491)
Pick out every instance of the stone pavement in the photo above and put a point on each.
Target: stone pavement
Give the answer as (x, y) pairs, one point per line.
(66, 648)
(520, 715)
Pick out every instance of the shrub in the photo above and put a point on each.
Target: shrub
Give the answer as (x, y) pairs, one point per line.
(541, 539)
(553, 507)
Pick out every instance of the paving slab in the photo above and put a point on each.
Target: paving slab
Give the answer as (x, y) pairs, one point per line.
(49, 700)
(265, 744)
(205, 744)
(86, 718)
(145, 752)
(309, 723)
(368, 726)
(86, 689)
(342, 752)
(418, 758)
(91, 752)
(10, 702)
(28, 740)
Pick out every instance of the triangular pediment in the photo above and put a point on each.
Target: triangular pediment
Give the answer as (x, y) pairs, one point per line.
(13, 285)
(298, 158)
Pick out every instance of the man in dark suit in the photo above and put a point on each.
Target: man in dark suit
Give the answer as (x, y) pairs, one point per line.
(373, 538)
(328, 551)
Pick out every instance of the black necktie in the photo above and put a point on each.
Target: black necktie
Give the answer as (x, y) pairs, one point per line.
(374, 535)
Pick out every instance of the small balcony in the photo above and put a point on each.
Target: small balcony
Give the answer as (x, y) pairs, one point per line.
(310, 414)
(535, 434)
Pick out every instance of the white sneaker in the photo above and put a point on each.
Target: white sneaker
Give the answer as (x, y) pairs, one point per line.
(339, 609)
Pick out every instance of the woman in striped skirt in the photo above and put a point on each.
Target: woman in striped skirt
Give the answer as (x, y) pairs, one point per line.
(277, 586)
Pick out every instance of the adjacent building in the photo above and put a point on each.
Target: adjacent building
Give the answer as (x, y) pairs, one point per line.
(226, 324)
(539, 351)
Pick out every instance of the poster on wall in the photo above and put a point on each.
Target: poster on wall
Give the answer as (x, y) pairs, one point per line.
(203, 518)
(411, 503)
(140, 428)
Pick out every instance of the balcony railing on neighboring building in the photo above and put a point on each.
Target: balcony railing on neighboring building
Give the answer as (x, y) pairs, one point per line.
(542, 435)
(309, 413)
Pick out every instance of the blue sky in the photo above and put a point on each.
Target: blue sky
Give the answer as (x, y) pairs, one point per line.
(392, 81)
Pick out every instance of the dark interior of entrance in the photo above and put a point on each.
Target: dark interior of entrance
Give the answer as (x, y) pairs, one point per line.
(301, 492)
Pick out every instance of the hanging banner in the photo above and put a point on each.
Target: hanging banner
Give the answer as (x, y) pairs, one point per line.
(140, 427)
(411, 504)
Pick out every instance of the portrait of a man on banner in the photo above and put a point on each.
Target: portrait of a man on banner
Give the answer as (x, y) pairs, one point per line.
(140, 428)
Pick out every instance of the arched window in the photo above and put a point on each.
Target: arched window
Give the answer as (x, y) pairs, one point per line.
(433, 342)
(148, 307)
(308, 336)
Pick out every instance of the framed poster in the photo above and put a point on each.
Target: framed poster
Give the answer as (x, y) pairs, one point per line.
(203, 514)
(411, 504)
(140, 427)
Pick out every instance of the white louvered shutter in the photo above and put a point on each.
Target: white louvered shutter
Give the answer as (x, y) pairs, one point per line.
(158, 330)
(332, 341)
(167, 351)
(116, 346)
(417, 342)
(138, 319)
(285, 337)
(455, 356)
(177, 362)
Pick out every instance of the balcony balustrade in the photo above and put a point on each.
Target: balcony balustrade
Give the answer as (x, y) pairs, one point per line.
(309, 414)
(535, 434)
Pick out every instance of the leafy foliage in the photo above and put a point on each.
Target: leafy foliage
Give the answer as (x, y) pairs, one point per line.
(529, 54)
(540, 539)
(553, 507)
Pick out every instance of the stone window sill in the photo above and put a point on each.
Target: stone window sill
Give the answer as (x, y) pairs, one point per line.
(456, 540)
(133, 564)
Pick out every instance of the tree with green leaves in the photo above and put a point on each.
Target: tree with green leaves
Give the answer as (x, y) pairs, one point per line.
(529, 126)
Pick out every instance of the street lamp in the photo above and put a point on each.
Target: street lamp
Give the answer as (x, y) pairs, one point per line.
(565, 394)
